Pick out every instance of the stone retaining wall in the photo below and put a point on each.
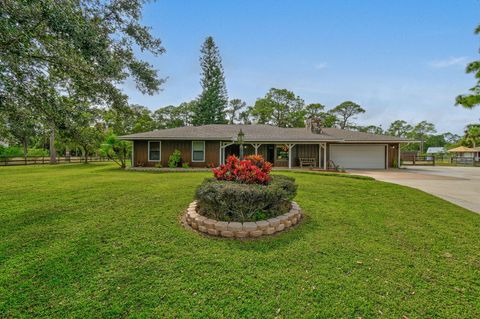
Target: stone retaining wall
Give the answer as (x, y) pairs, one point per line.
(242, 230)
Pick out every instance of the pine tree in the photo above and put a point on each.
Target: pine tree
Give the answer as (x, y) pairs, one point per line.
(211, 105)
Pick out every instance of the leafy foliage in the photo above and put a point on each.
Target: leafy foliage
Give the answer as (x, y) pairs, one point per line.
(227, 201)
(175, 160)
(280, 107)
(399, 128)
(347, 111)
(59, 59)
(251, 170)
(472, 134)
(116, 150)
(233, 111)
(473, 99)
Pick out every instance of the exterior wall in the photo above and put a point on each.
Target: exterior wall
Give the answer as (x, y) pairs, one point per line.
(140, 156)
(212, 149)
(306, 151)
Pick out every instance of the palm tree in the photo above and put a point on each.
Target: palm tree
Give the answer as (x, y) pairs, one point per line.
(472, 134)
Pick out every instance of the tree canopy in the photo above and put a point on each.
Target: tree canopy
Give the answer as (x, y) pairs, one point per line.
(472, 99)
(280, 107)
(345, 112)
(65, 57)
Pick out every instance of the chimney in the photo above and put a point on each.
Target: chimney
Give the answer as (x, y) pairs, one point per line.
(308, 125)
(314, 125)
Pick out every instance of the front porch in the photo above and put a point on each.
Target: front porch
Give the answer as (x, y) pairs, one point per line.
(291, 155)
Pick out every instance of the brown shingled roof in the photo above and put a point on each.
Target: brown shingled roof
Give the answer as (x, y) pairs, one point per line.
(260, 133)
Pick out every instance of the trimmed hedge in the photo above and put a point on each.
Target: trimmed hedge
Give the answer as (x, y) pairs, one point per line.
(231, 201)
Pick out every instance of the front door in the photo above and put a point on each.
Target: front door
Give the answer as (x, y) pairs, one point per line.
(270, 153)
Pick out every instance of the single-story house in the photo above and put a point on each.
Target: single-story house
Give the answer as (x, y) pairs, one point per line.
(436, 150)
(210, 145)
(465, 152)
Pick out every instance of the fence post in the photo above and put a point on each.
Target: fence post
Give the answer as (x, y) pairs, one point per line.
(433, 160)
(414, 159)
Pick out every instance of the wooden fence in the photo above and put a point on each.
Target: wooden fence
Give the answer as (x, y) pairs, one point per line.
(417, 160)
(433, 160)
(38, 160)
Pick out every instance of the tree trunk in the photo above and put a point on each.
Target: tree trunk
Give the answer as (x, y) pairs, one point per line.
(25, 148)
(53, 150)
(86, 155)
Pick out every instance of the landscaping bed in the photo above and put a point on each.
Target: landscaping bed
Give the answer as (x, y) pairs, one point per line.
(242, 229)
(243, 200)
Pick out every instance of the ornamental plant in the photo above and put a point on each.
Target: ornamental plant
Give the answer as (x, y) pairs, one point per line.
(252, 169)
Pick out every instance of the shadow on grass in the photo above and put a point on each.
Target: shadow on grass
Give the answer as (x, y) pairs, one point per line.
(268, 244)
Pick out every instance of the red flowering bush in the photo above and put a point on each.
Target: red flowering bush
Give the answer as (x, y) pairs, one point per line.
(251, 170)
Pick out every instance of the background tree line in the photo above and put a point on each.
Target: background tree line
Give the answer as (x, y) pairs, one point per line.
(61, 63)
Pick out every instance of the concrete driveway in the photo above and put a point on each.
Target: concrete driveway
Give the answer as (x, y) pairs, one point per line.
(459, 185)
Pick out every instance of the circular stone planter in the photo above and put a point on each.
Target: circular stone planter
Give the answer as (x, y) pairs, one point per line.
(242, 230)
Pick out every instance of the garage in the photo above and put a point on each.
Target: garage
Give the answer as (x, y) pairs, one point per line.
(358, 156)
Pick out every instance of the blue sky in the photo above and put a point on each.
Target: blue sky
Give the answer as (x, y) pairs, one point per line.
(398, 59)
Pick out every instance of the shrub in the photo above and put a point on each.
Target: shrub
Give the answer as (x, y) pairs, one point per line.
(175, 159)
(11, 151)
(229, 201)
(37, 152)
(252, 170)
(186, 165)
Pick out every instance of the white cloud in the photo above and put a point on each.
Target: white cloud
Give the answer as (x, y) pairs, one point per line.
(320, 66)
(452, 61)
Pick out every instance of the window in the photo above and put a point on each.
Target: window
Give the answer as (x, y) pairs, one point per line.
(198, 151)
(154, 151)
(282, 152)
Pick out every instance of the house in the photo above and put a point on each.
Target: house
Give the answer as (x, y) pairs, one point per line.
(436, 150)
(466, 153)
(210, 145)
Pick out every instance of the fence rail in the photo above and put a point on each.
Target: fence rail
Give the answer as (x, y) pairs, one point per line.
(433, 160)
(38, 160)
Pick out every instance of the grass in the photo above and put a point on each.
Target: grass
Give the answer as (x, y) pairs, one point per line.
(84, 241)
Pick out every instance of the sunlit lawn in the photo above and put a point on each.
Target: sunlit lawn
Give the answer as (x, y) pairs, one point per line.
(93, 241)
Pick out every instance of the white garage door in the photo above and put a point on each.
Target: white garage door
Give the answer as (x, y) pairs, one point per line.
(358, 156)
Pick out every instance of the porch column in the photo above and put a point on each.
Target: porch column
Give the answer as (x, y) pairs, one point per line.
(132, 164)
(325, 156)
(223, 145)
(220, 154)
(256, 146)
(290, 146)
(399, 158)
(320, 155)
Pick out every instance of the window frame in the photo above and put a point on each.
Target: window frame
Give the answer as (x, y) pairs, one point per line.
(159, 151)
(204, 151)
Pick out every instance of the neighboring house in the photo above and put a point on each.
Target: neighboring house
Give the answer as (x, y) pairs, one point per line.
(463, 151)
(436, 150)
(466, 152)
(209, 145)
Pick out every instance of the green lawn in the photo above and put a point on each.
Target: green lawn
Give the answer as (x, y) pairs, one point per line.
(93, 241)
